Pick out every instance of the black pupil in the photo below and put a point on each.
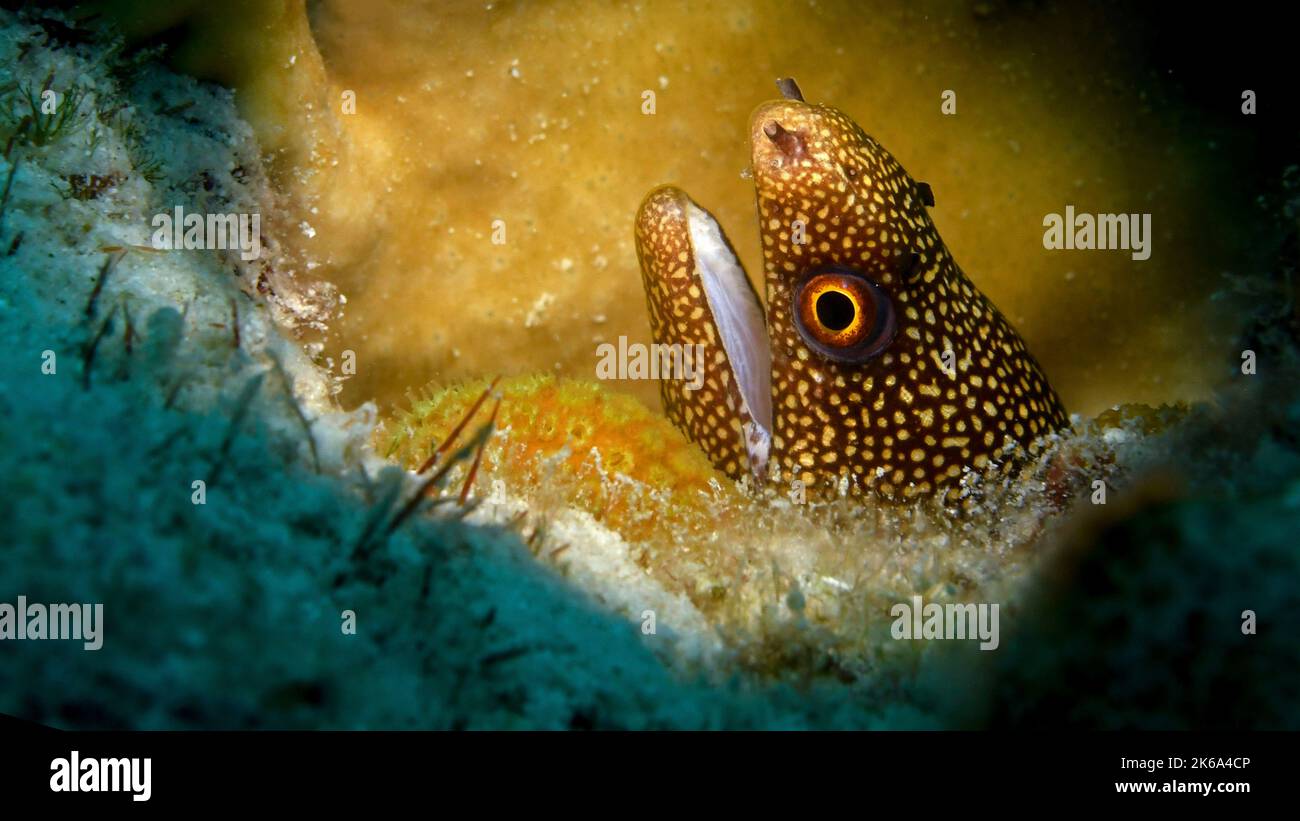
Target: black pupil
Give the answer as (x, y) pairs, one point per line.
(835, 311)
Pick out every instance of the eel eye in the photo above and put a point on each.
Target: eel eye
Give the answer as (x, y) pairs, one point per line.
(843, 316)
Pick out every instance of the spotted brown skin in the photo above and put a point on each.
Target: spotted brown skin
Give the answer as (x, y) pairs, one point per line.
(714, 415)
(891, 374)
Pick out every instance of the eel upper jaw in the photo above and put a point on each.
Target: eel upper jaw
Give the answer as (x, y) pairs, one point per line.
(739, 320)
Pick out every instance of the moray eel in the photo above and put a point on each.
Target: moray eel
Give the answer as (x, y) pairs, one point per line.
(877, 367)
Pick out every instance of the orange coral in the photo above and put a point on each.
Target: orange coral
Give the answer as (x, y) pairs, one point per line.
(571, 440)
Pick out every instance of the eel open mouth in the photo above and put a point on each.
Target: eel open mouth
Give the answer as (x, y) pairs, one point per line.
(740, 324)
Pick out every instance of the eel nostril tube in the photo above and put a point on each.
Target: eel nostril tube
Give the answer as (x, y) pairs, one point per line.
(790, 143)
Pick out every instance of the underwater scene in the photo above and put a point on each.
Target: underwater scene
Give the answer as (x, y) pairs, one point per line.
(660, 365)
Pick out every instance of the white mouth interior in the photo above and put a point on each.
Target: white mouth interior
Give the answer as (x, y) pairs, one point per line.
(739, 319)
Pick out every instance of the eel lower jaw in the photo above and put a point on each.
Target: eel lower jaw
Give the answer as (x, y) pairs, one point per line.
(741, 327)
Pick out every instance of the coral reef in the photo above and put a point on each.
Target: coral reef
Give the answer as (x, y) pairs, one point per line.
(470, 112)
(1140, 618)
(526, 607)
(618, 501)
(227, 613)
(577, 441)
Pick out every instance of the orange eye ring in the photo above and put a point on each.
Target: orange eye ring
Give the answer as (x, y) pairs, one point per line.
(842, 315)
